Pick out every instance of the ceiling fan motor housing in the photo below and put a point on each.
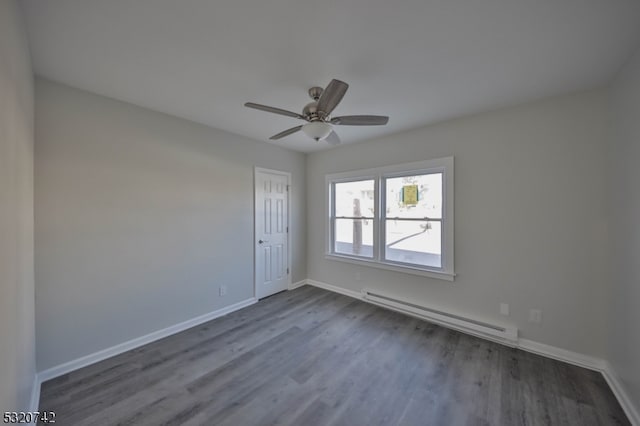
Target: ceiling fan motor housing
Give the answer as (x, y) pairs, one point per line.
(311, 112)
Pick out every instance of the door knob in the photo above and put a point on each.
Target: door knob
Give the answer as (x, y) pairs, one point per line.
(262, 241)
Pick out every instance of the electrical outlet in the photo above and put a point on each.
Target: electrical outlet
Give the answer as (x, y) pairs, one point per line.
(504, 309)
(535, 316)
(223, 290)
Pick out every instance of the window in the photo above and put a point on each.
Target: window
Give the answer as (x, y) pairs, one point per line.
(397, 217)
(353, 219)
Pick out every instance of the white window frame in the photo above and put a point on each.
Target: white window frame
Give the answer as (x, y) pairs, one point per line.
(379, 174)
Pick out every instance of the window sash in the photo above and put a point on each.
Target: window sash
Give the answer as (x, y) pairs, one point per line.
(425, 172)
(355, 217)
(356, 256)
(415, 219)
(373, 219)
(384, 242)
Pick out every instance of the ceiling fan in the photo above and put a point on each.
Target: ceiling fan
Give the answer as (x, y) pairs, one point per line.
(318, 114)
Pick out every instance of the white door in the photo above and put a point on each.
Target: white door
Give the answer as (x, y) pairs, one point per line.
(272, 228)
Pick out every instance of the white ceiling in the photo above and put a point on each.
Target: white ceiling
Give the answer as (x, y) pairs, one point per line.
(418, 61)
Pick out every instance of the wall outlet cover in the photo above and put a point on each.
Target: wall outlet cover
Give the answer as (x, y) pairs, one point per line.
(535, 316)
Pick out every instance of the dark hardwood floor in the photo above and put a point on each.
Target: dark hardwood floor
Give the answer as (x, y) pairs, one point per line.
(311, 357)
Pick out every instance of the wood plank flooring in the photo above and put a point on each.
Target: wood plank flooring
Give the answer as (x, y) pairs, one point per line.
(312, 357)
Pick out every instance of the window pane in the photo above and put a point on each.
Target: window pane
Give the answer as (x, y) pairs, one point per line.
(354, 198)
(416, 242)
(354, 237)
(427, 201)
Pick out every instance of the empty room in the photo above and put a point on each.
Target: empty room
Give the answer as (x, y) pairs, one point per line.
(243, 212)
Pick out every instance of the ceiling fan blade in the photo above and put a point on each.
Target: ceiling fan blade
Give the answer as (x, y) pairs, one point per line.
(333, 138)
(360, 120)
(332, 95)
(274, 110)
(285, 133)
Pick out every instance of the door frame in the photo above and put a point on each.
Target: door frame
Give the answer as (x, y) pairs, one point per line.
(256, 170)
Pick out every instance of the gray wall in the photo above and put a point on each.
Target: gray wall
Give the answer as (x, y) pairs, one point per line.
(530, 217)
(624, 190)
(17, 352)
(140, 216)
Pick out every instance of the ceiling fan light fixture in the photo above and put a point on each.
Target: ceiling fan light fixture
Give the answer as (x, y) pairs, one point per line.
(317, 130)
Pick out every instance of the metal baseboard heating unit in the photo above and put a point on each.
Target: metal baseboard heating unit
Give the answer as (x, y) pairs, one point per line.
(507, 335)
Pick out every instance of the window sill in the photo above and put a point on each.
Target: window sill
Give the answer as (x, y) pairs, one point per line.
(446, 276)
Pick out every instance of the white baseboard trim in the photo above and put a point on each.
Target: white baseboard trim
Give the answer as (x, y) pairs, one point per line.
(295, 285)
(336, 289)
(86, 360)
(612, 378)
(554, 352)
(34, 403)
(548, 351)
(592, 363)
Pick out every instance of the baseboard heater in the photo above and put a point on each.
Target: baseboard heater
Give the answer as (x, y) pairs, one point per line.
(507, 335)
